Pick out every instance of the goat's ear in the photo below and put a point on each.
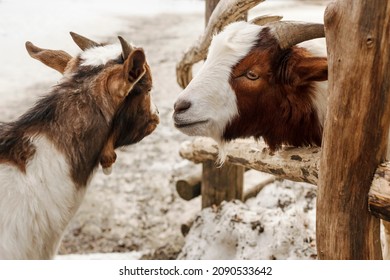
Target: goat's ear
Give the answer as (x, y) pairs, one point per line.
(310, 69)
(56, 59)
(134, 67)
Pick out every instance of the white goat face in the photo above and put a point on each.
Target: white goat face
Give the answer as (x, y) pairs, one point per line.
(209, 103)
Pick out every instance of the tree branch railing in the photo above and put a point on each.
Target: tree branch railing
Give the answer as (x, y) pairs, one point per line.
(295, 164)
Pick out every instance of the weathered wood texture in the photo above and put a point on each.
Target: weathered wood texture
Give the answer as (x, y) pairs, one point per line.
(227, 11)
(379, 194)
(296, 164)
(189, 186)
(210, 6)
(356, 128)
(223, 183)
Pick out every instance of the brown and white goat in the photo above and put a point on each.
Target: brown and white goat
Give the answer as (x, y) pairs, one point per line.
(256, 81)
(49, 154)
(254, 84)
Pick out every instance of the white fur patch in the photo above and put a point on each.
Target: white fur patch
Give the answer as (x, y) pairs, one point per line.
(107, 170)
(317, 47)
(35, 207)
(100, 55)
(321, 100)
(210, 93)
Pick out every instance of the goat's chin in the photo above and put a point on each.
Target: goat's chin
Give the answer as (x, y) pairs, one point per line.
(194, 128)
(206, 129)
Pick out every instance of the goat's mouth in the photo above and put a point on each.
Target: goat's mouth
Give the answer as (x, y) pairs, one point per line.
(189, 124)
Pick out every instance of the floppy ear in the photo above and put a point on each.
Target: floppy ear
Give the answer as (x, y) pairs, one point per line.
(56, 59)
(134, 66)
(310, 69)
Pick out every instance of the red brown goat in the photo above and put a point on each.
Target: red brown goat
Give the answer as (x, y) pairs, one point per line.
(254, 83)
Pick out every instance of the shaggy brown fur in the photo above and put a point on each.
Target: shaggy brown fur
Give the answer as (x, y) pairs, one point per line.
(92, 111)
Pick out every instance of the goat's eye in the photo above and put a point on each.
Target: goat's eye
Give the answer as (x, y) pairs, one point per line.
(251, 75)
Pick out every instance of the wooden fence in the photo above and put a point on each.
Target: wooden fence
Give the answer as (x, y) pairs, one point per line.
(350, 169)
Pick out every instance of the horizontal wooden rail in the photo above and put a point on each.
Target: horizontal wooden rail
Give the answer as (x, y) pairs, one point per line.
(296, 164)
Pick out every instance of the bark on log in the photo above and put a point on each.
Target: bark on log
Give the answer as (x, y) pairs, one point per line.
(379, 194)
(210, 6)
(356, 128)
(296, 164)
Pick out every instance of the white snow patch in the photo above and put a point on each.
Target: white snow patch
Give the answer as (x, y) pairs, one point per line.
(277, 224)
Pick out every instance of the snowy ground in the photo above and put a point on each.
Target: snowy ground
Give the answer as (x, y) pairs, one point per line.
(136, 209)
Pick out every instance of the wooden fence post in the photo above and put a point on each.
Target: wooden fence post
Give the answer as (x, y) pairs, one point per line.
(356, 128)
(223, 183)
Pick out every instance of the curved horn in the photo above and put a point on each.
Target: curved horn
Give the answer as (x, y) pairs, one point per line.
(83, 42)
(126, 48)
(263, 20)
(290, 33)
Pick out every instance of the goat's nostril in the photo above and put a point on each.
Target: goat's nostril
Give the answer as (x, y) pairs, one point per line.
(182, 105)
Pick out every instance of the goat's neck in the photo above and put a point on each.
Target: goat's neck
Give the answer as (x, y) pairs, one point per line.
(296, 122)
(76, 121)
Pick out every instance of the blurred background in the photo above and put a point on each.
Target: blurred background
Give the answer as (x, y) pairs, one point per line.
(136, 210)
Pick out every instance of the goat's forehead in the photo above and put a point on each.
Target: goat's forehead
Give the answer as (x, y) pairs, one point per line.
(100, 55)
(237, 38)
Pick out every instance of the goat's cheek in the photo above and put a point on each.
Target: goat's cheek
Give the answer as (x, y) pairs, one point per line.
(246, 86)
